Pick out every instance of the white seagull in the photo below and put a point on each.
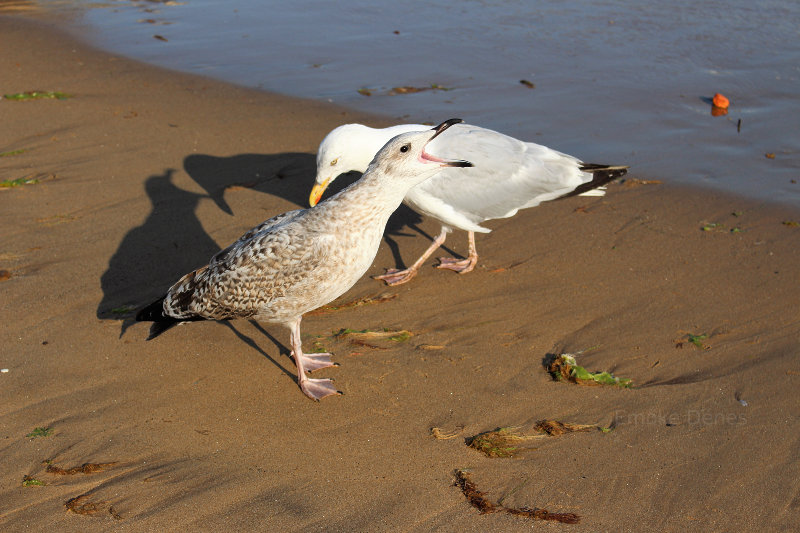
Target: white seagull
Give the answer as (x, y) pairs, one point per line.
(509, 175)
(300, 260)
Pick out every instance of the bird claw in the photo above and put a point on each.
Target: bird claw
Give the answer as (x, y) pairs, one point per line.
(394, 276)
(316, 361)
(461, 266)
(317, 389)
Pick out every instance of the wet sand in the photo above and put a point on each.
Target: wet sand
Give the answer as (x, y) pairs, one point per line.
(143, 174)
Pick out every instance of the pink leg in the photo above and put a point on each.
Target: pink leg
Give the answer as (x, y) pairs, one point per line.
(316, 389)
(464, 265)
(394, 276)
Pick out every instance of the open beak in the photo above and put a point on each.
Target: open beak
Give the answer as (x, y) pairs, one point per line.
(444, 125)
(316, 192)
(444, 162)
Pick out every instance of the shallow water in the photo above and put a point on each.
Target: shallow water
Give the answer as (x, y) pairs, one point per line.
(619, 82)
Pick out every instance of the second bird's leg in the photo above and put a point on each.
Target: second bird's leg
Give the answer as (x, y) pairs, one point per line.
(394, 276)
(462, 266)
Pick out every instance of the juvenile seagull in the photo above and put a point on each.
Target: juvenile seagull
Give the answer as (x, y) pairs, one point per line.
(509, 175)
(300, 260)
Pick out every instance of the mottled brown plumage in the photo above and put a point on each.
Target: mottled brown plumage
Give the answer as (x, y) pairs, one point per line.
(300, 260)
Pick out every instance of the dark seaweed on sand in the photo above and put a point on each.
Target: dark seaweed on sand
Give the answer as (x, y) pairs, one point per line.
(478, 499)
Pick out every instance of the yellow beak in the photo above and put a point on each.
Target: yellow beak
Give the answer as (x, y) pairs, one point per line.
(316, 192)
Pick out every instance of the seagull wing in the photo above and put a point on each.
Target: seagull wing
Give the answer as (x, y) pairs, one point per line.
(266, 264)
(273, 222)
(508, 175)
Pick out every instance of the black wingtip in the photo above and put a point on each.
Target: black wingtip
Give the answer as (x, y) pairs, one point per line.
(152, 312)
(155, 313)
(601, 175)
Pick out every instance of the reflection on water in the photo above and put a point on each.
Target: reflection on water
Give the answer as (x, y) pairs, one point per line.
(622, 82)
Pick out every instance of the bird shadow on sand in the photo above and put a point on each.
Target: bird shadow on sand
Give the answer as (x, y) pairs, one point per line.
(172, 241)
(290, 176)
(253, 344)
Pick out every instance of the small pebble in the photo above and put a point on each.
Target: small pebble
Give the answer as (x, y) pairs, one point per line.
(738, 397)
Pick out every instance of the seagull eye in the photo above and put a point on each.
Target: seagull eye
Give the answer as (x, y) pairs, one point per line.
(333, 163)
(405, 148)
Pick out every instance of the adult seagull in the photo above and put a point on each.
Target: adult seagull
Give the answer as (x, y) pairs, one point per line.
(509, 175)
(300, 260)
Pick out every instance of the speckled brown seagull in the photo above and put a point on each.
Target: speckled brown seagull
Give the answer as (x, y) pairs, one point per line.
(509, 175)
(300, 260)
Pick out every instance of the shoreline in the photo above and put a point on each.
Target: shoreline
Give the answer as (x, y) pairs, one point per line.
(144, 173)
(676, 140)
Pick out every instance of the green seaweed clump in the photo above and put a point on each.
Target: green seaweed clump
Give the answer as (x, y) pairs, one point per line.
(564, 368)
(697, 340)
(7, 184)
(123, 310)
(39, 432)
(28, 481)
(37, 95)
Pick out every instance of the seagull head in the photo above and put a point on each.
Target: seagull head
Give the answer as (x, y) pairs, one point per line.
(351, 148)
(348, 148)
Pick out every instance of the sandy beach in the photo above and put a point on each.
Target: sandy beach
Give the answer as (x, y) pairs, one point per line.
(142, 174)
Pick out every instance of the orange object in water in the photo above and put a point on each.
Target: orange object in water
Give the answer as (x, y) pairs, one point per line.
(720, 101)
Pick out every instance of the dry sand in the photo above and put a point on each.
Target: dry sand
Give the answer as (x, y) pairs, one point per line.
(143, 175)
